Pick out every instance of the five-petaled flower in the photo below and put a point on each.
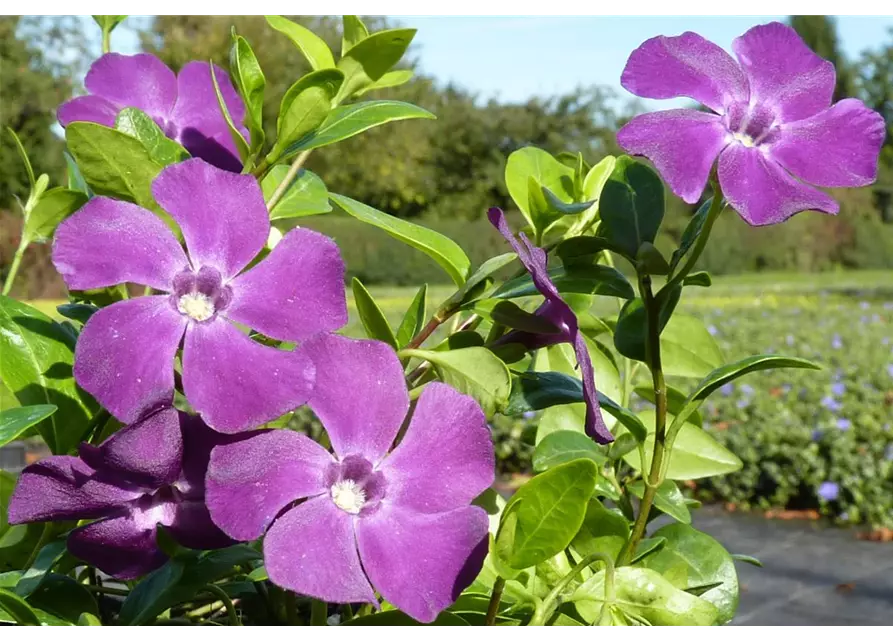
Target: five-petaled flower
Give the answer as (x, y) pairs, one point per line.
(400, 520)
(148, 474)
(772, 126)
(184, 105)
(559, 313)
(125, 354)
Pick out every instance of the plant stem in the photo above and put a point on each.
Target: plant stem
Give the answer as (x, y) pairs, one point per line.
(551, 602)
(716, 207)
(652, 354)
(426, 332)
(106, 41)
(14, 267)
(319, 613)
(291, 609)
(107, 590)
(289, 177)
(213, 589)
(495, 597)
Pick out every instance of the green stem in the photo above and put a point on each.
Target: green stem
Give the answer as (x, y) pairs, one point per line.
(291, 609)
(45, 535)
(106, 41)
(14, 267)
(289, 177)
(110, 591)
(553, 600)
(716, 207)
(495, 597)
(227, 602)
(652, 482)
(319, 613)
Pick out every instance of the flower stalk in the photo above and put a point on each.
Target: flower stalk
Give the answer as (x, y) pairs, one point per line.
(289, 178)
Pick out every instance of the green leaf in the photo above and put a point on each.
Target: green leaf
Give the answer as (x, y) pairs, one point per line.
(65, 598)
(696, 454)
(632, 205)
(20, 610)
(533, 391)
(76, 180)
(725, 374)
(372, 57)
(414, 318)
(474, 371)
(37, 367)
(697, 279)
(38, 571)
(305, 107)
(24, 156)
(108, 23)
(477, 283)
(374, 321)
(77, 311)
(532, 167)
(444, 251)
(646, 547)
(149, 595)
(347, 121)
(16, 421)
(511, 315)
(598, 279)
(352, 32)
(688, 349)
(565, 208)
(698, 560)
(501, 544)
(250, 83)
(593, 185)
(583, 250)
(553, 505)
(306, 196)
(668, 499)
(138, 125)
(233, 127)
(390, 79)
(650, 261)
(396, 618)
(88, 620)
(646, 595)
(691, 233)
(311, 45)
(563, 446)
(631, 332)
(603, 531)
(676, 401)
(53, 207)
(740, 557)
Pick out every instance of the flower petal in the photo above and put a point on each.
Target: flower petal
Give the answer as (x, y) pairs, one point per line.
(532, 257)
(65, 488)
(149, 451)
(420, 563)
(199, 120)
(312, 550)
(838, 147)
(108, 242)
(684, 66)
(761, 191)
(360, 394)
(192, 527)
(295, 292)
(199, 441)
(783, 72)
(446, 457)
(124, 547)
(250, 481)
(125, 356)
(88, 109)
(222, 214)
(682, 143)
(142, 81)
(595, 426)
(236, 383)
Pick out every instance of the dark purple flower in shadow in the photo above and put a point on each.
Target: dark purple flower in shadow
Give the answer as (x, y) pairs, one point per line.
(184, 105)
(401, 521)
(771, 123)
(559, 313)
(148, 474)
(125, 354)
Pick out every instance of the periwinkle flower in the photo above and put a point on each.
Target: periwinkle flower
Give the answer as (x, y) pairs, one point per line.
(743, 403)
(400, 520)
(712, 330)
(816, 435)
(888, 452)
(125, 354)
(747, 389)
(890, 370)
(838, 388)
(559, 313)
(829, 491)
(789, 340)
(844, 424)
(184, 105)
(727, 389)
(772, 127)
(836, 341)
(148, 474)
(831, 404)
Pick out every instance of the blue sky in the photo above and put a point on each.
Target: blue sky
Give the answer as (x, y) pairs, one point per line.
(514, 58)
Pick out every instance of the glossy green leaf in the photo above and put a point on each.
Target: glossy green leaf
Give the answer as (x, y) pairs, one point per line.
(37, 367)
(53, 207)
(676, 401)
(631, 331)
(474, 371)
(38, 571)
(150, 594)
(533, 391)
(725, 374)
(76, 180)
(650, 261)
(552, 508)
(697, 560)
(65, 598)
(77, 311)
(697, 279)
(250, 82)
(511, 315)
(696, 454)
(370, 58)
(89, 620)
(441, 249)
(414, 318)
(688, 349)
(646, 547)
(21, 611)
(598, 279)
(396, 618)
(527, 172)
(632, 205)
(390, 79)
(311, 45)
(583, 250)
(234, 132)
(690, 235)
(558, 205)
(740, 557)
(563, 446)
(347, 121)
(371, 315)
(138, 125)
(306, 196)
(305, 107)
(593, 185)
(604, 531)
(478, 282)
(352, 32)
(23, 155)
(16, 421)
(668, 499)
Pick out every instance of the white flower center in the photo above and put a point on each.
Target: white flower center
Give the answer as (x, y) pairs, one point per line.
(348, 495)
(196, 305)
(744, 139)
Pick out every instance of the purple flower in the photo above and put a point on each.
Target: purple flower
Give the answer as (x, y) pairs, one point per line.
(844, 424)
(890, 370)
(400, 520)
(829, 491)
(888, 452)
(816, 435)
(789, 340)
(743, 403)
(831, 404)
(148, 474)
(773, 127)
(184, 105)
(557, 311)
(727, 389)
(125, 354)
(712, 330)
(746, 389)
(864, 305)
(838, 388)
(836, 341)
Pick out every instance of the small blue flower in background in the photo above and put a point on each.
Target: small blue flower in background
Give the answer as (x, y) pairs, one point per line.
(786, 387)
(712, 330)
(888, 306)
(829, 491)
(885, 341)
(888, 453)
(789, 340)
(831, 404)
(836, 342)
(838, 388)
(743, 403)
(890, 369)
(746, 389)
(727, 389)
(864, 305)
(863, 319)
(844, 424)
(529, 414)
(816, 435)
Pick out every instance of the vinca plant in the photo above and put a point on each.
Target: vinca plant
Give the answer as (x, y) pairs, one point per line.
(202, 315)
